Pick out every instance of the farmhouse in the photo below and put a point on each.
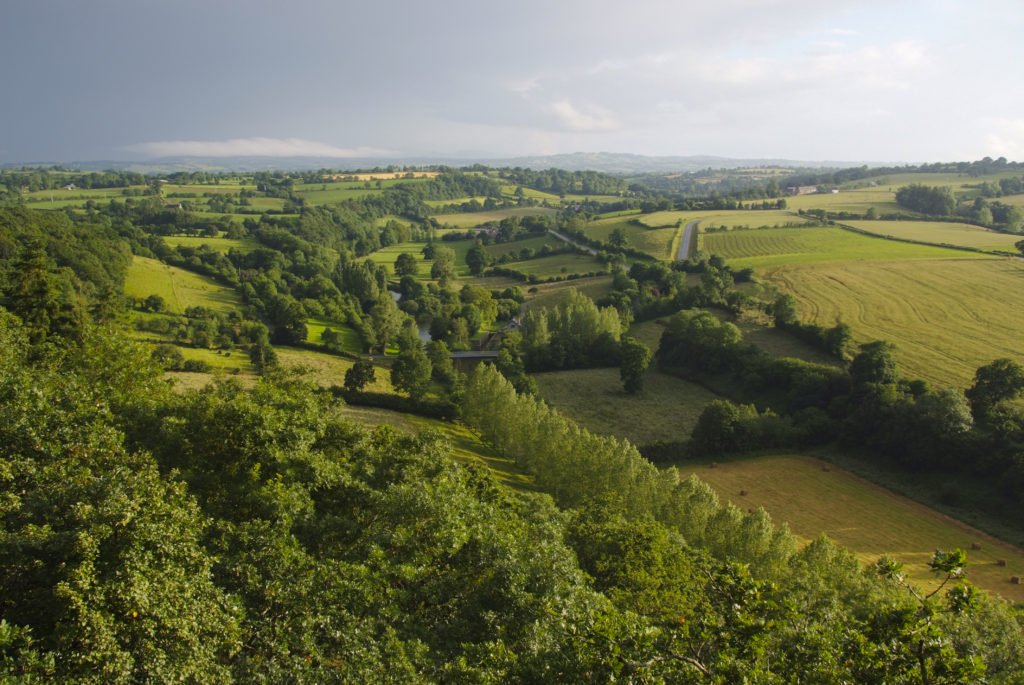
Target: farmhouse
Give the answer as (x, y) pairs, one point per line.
(801, 190)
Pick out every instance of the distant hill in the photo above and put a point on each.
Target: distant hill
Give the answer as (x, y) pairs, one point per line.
(607, 162)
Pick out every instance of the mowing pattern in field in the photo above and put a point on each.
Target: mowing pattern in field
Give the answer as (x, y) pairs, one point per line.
(557, 265)
(941, 233)
(179, 288)
(858, 200)
(667, 409)
(868, 519)
(947, 317)
(773, 247)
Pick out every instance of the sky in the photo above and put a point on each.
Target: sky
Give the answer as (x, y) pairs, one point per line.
(862, 80)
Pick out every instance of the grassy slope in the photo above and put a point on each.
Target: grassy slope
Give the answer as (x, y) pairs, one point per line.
(179, 288)
(774, 247)
(471, 219)
(868, 519)
(667, 409)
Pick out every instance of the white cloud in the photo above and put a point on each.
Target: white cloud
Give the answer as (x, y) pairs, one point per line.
(593, 118)
(1008, 140)
(252, 147)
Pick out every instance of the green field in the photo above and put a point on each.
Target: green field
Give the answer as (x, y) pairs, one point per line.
(946, 317)
(866, 518)
(857, 200)
(941, 233)
(472, 219)
(179, 288)
(350, 339)
(667, 409)
(558, 265)
(656, 242)
(516, 246)
(775, 247)
(221, 244)
(328, 369)
(553, 294)
(388, 255)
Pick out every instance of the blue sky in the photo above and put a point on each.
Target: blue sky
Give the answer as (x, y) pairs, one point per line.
(864, 80)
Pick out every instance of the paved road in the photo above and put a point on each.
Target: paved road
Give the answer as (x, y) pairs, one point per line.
(684, 244)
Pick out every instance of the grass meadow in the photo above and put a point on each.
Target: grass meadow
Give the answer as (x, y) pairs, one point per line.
(867, 518)
(776, 247)
(946, 317)
(656, 242)
(179, 288)
(667, 409)
(472, 219)
(855, 200)
(941, 233)
(558, 265)
(220, 244)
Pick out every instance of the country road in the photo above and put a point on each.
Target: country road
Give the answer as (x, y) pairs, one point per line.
(569, 240)
(684, 244)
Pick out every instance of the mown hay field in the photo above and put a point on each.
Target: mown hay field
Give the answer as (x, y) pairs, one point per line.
(941, 233)
(667, 408)
(178, 288)
(946, 317)
(774, 247)
(866, 518)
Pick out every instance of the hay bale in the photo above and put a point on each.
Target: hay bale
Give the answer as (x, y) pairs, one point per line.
(825, 468)
(1000, 562)
(743, 493)
(1015, 580)
(750, 510)
(714, 464)
(975, 545)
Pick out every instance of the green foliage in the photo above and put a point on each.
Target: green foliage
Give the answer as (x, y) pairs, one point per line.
(997, 382)
(635, 358)
(926, 199)
(359, 375)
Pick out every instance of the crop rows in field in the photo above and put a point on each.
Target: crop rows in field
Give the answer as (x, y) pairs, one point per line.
(656, 242)
(473, 219)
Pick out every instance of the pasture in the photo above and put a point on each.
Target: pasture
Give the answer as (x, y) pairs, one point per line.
(946, 317)
(941, 233)
(220, 244)
(473, 219)
(327, 369)
(667, 409)
(855, 200)
(656, 242)
(178, 288)
(350, 339)
(775, 247)
(866, 518)
(517, 246)
(557, 265)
